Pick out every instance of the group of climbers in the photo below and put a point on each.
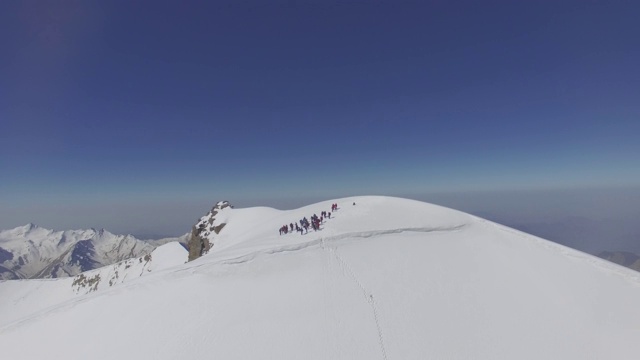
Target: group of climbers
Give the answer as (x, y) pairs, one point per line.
(305, 223)
(284, 229)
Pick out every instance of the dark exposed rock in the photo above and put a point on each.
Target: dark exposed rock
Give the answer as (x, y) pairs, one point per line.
(218, 228)
(5, 255)
(82, 255)
(201, 233)
(198, 245)
(83, 281)
(7, 274)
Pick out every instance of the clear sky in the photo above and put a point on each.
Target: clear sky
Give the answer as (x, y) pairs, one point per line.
(113, 112)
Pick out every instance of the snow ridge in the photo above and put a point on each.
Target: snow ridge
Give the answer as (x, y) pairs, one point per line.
(384, 278)
(323, 240)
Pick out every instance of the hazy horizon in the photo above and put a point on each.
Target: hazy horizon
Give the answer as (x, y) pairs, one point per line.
(590, 220)
(138, 116)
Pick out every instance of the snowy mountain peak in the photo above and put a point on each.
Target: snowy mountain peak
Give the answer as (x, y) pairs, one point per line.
(222, 204)
(30, 251)
(18, 231)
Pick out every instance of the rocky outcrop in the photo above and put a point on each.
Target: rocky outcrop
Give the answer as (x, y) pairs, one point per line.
(204, 231)
(198, 244)
(162, 257)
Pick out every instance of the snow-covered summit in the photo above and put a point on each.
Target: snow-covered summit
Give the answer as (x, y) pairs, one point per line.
(383, 278)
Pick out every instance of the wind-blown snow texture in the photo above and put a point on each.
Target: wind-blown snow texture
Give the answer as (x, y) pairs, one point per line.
(386, 278)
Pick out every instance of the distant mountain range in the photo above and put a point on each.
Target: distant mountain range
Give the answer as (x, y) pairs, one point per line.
(623, 258)
(30, 251)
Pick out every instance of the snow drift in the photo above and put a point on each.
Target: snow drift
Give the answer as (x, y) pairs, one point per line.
(386, 278)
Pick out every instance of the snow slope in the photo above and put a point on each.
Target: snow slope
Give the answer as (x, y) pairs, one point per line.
(386, 278)
(19, 297)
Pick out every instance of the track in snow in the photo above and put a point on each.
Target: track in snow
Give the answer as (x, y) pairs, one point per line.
(368, 296)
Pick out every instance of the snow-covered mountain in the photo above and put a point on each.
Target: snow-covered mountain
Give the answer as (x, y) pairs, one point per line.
(384, 278)
(29, 296)
(31, 251)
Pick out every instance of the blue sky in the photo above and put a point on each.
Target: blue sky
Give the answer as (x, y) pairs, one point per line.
(134, 106)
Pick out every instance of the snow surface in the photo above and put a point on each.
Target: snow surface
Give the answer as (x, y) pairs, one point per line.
(386, 278)
(19, 297)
